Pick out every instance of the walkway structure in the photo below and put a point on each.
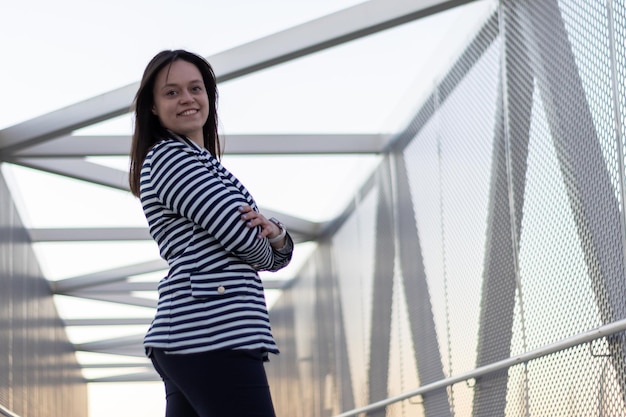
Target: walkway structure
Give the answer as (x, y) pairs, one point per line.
(478, 271)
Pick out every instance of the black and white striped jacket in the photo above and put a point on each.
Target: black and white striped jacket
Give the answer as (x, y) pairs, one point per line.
(212, 297)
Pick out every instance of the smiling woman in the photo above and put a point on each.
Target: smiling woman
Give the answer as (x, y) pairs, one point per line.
(212, 317)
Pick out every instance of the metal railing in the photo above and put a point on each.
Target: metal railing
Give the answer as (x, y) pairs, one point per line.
(5, 412)
(588, 336)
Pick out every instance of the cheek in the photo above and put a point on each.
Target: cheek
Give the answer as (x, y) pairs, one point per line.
(161, 107)
(162, 112)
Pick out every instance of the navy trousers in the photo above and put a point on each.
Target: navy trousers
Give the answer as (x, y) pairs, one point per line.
(222, 383)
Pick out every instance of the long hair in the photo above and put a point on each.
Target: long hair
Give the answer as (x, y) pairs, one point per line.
(148, 129)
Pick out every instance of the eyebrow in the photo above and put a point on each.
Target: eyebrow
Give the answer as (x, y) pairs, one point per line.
(176, 85)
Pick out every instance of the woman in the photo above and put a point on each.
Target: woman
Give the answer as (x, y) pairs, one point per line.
(211, 332)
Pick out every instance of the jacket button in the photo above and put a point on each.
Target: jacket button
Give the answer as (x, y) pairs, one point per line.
(221, 289)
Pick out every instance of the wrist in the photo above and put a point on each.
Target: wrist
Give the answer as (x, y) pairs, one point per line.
(281, 235)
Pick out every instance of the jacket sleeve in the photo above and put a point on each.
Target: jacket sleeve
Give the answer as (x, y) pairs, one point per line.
(282, 257)
(190, 188)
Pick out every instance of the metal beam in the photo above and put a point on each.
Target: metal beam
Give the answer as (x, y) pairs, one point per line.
(124, 299)
(266, 144)
(65, 120)
(89, 234)
(343, 26)
(137, 321)
(79, 169)
(77, 146)
(122, 287)
(329, 332)
(109, 343)
(501, 276)
(146, 364)
(126, 345)
(382, 290)
(325, 32)
(427, 351)
(149, 376)
(105, 277)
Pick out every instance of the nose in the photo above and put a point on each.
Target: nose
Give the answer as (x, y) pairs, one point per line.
(186, 97)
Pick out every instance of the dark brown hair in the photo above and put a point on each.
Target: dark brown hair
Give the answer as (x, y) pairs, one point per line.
(148, 129)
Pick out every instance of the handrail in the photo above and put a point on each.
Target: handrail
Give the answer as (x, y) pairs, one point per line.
(588, 336)
(5, 412)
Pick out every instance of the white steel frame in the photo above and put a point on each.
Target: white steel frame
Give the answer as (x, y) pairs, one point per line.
(47, 143)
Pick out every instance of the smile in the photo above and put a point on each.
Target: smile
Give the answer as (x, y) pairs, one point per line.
(188, 112)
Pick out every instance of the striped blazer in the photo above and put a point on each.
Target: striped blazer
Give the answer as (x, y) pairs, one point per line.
(212, 297)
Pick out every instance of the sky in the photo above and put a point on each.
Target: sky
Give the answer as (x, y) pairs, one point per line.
(57, 53)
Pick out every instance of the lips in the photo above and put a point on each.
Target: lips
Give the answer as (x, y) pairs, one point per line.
(188, 112)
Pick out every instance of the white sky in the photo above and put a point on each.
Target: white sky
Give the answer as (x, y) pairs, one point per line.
(57, 53)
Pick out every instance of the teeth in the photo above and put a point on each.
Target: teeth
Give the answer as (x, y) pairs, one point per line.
(188, 112)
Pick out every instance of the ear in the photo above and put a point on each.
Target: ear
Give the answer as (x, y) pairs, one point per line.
(154, 111)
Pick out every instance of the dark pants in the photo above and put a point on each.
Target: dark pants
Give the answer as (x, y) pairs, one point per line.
(224, 383)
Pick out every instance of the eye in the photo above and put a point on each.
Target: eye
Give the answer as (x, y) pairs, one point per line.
(196, 88)
(170, 93)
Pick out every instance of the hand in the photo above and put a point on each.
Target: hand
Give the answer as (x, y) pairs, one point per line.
(254, 218)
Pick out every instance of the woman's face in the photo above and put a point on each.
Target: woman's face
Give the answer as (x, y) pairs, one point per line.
(180, 100)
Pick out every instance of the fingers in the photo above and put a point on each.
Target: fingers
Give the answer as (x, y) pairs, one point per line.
(250, 216)
(254, 218)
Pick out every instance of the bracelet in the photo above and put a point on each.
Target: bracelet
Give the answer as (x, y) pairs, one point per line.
(283, 231)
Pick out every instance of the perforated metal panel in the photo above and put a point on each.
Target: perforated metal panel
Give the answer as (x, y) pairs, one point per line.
(494, 227)
(39, 374)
